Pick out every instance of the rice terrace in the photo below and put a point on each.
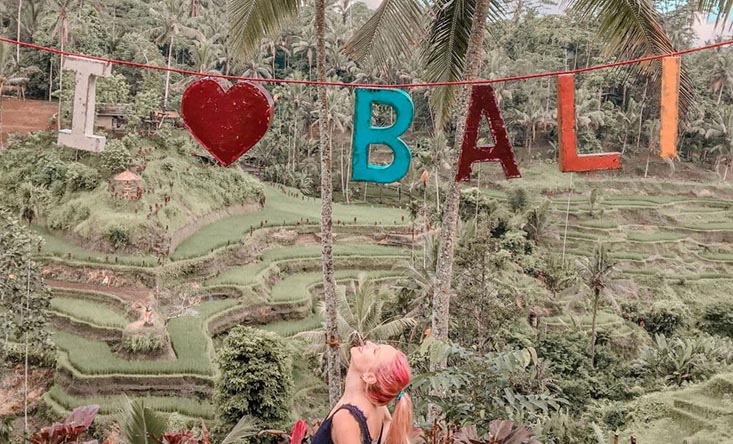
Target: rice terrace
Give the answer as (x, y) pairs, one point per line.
(342, 221)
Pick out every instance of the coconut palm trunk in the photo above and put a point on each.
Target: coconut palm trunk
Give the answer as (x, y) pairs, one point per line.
(168, 74)
(17, 48)
(444, 269)
(329, 282)
(593, 333)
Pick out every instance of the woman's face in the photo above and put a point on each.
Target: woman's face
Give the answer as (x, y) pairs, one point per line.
(371, 356)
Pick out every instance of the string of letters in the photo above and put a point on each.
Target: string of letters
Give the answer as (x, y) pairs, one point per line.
(228, 123)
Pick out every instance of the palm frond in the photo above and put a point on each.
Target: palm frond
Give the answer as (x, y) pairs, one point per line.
(245, 428)
(391, 329)
(721, 9)
(251, 20)
(138, 423)
(447, 45)
(632, 29)
(394, 29)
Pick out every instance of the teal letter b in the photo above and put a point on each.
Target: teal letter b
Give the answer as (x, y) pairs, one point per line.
(366, 135)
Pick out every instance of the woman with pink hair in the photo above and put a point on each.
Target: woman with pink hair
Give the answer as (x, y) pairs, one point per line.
(377, 375)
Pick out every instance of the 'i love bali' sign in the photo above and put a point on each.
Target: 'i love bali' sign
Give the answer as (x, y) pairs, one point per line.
(229, 122)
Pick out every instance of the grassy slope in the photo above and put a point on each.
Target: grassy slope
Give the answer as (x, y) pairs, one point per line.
(281, 209)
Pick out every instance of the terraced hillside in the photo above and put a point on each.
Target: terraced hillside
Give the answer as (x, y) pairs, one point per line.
(246, 269)
(671, 240)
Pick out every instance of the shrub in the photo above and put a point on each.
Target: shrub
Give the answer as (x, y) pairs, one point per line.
(67, 216)
(255, 377)
(115, 157)
(80, 177)
(682, 360)
(718, 319)
(664, 317)
(518, 199)
(118, 236)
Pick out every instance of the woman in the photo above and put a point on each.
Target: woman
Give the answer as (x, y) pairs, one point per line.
(377, 375)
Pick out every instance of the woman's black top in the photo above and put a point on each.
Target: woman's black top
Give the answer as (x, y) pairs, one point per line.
(323, 434)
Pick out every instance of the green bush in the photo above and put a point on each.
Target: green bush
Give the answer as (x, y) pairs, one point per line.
(718, 319)
(67, 216)
(118, 236)
(664, 317)
(518, 199)
(116, 157)
(255, 377)
(80, 177)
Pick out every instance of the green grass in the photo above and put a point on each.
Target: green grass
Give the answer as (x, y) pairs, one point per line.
(188, 338)
(654, 236)
(290, 328)
(606, 224)
(91, 312)
(110, 405)
(280, 210)
(251, 274)
(297, 287)
(55, 245)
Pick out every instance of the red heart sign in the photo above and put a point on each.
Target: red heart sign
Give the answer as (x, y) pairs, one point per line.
(227, 123)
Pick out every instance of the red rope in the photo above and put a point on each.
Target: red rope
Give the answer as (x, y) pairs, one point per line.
(366, 85)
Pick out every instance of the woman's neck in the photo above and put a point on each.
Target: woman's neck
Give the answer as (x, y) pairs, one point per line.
(355, 390)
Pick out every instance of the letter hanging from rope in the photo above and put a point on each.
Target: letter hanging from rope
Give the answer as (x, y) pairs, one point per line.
(570, 160)
(227, 123)
(366, 135)
(483, 103)
(668, 127)
(81, 135)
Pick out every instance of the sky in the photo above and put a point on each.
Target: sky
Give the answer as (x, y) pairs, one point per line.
(705, 31)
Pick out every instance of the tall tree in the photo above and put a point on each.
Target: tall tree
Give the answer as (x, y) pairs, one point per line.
(24, 296)
(171, 16)
(596, 271)
(251, 20)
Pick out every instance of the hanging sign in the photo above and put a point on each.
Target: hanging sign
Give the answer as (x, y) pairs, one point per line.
(483, 103)
(570, 160)
(81, 135)
(366, 135)
(668, 128)
(227, 122)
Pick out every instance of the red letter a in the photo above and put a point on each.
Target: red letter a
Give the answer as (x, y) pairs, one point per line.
(484, 103)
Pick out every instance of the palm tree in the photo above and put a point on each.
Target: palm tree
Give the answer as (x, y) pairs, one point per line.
(360, 317)
(596, 271)
(170, 15)
(251, 20)
(721, 129)
(721, 76)
(61, 26)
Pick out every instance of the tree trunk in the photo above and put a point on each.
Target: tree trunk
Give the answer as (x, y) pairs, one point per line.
(329, 283)
(437, 191)
(168, 74)
(17, 48)
(444, 269)
(720, 94)
(61, 84)
(25, 384)
(596, 298)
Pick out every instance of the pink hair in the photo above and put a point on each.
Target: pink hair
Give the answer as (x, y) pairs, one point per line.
(391, 379)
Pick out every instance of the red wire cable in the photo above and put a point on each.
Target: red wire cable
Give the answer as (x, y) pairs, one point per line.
(366, 85)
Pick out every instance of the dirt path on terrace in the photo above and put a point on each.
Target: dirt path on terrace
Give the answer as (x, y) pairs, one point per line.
(127, 293)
